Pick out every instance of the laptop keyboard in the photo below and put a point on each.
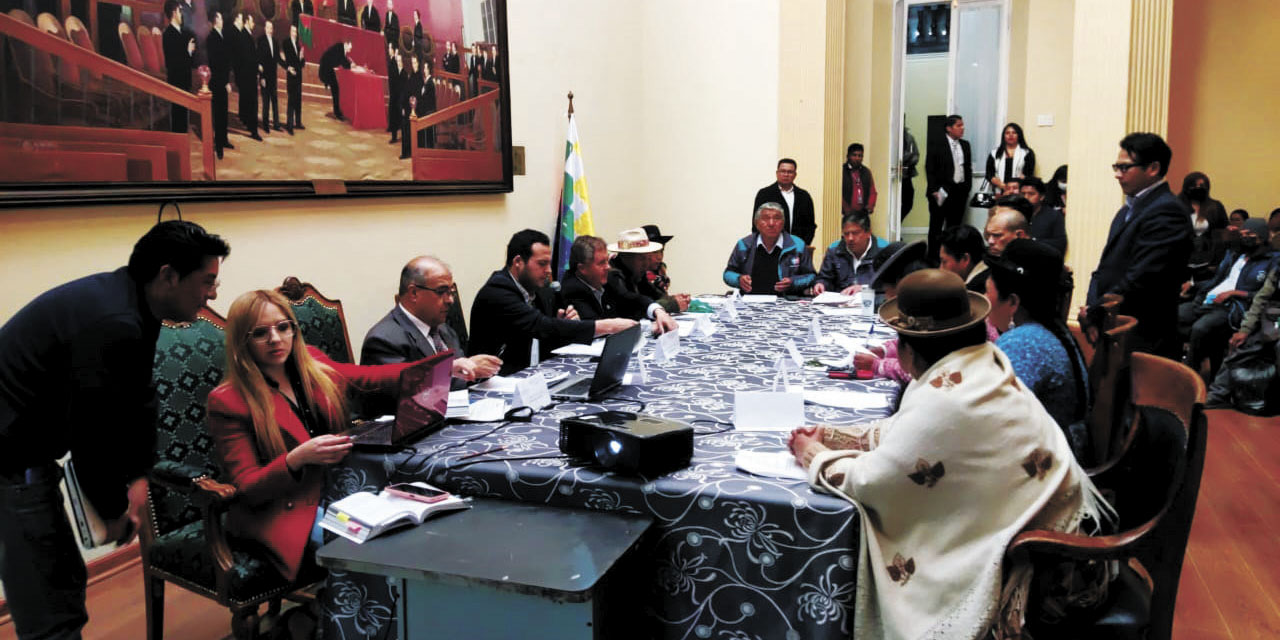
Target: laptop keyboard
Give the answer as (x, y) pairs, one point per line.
(579, 388)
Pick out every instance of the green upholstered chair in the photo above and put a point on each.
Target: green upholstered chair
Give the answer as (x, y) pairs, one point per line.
(320, 319)
(183, 541)
(456, 320)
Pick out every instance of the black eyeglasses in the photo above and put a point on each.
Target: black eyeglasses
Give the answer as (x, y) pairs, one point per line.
(1121, 167)
(442, 290)
(260, 334)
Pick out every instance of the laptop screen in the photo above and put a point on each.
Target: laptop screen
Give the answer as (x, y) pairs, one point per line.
(613, 360)
(424, 396)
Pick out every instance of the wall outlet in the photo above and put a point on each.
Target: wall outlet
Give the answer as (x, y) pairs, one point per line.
(1045, 120)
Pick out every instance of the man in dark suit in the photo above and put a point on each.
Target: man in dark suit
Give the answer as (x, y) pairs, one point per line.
(246, 67)
(598, 291)
(948, 172)
(1145, 258)
(417, 327)
(293, 56)
(515, 314)
(76, 376)
(395, 89)
(419, 42)
(797, 204)
(391, 25)
(347, 12)
(219, 53)
(369, 20)
(179, 59)
(299, 7)
(268, 53)
(337, 55)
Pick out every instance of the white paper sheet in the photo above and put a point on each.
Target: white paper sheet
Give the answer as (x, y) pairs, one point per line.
(777, 464)
(767, 411)
(487, 410)
(507, 384)
(758, 297)
(840, 311)
(847, 399)
(832, 297)
(576, 349)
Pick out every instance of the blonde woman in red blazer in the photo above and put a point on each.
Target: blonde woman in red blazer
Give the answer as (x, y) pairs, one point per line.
(272, 420)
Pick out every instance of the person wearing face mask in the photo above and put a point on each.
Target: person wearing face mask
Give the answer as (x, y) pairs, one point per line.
(1206, 321)
(1055, 189)
(1209, 220)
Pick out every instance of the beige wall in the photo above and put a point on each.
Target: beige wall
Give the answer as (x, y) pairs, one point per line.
(1223, 96)
(1039, 77)
(926, 94)
(683, 149)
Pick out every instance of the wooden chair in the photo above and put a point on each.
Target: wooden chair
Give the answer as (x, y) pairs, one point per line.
(158, 37)
(1155, 483)
(456, 320)
(132, 55)
(1108, 383)
(320, 319)
(147, 46)
(183, 540)
(79, 35)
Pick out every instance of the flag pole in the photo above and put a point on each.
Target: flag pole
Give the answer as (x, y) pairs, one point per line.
(570, 104)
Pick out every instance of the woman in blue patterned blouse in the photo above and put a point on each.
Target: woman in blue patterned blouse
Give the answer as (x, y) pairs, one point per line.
(1024, 287)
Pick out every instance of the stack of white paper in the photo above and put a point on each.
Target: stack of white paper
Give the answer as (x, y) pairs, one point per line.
(777, 464)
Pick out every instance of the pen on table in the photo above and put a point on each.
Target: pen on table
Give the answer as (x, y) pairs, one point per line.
(481, 453)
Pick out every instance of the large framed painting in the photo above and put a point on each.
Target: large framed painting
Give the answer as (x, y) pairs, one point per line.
(136, 100)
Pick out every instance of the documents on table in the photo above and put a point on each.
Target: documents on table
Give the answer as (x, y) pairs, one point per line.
(777, 464)
(847, 399)
(833, 297)
(759, 297)
(577, 349)
(767, 411)
(531, 392)
(840, 311)
(507, 384)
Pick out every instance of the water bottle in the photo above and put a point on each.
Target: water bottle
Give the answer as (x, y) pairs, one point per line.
(868, 301)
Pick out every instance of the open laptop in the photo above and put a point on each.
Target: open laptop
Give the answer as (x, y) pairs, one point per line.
(422, 404)
(609, 371)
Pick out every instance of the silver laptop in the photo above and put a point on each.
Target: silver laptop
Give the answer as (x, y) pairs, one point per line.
(609, 371)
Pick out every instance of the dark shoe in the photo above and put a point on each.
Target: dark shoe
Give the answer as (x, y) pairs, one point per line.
(277, 126)
(405, 156)
(289, 129)
(266, 130)
(228, 145)
(255, 136)
(218, 152)
(393, 140)
(299, 127)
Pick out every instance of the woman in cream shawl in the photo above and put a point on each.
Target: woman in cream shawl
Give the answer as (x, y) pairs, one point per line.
(970, 460)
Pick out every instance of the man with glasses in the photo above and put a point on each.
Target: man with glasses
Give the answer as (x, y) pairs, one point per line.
(797, 204)
(417, 326)
(75, 375)
(1145, 258)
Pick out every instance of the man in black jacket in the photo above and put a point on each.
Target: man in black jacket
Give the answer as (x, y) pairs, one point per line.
(293, 55)
(796, 203)
(1047, 223)
(598, 291)
(347, 12)
(391, 25)
(179, 59)
(1145, 258)
(418, 325)
(219, 81)
(948, 171)
(337, 55)
(246, 67)
(75, 375)
(515, 315)
(268, 53)
(369, 20)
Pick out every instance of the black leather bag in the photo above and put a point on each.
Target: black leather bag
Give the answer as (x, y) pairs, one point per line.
(985, 196)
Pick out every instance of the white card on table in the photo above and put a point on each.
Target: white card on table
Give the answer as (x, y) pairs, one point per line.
(815, 331)
(666, 346)
(531, 392)
(642, 375)
(703, 326)
(767, 411)
(794, 352)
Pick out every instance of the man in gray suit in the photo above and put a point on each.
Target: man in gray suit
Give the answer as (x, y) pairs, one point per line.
(416, 327)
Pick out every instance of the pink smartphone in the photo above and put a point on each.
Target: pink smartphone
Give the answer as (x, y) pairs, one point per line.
(416, 492)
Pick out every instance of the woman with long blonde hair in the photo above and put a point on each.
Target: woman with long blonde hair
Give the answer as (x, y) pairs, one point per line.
(273, 420)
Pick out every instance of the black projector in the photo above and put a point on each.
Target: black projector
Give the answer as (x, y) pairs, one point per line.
(628, 442)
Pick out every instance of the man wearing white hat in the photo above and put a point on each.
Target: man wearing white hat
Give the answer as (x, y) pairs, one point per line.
(598, 291)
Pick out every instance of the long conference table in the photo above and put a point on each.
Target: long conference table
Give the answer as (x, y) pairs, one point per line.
(733, 555)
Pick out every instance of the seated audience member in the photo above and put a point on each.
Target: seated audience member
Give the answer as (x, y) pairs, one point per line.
(769, 261)
(656, 283)
(895, 261)
(1012, 187)
(969, 460)
(416, 327)
(597, 291)
(1273, 225)
(1252, 351)
(514, 315)
(961, 253)
(1206, 320)
(273, 421)
(1237, 218)
(847, 266)
(1023, 291)
(1047, 223)
(1055, 189)
(1006, 222)
(1208, 222)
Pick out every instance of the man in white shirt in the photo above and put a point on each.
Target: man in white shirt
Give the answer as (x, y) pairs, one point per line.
(797, 204)
(417, 326)
(949, 172)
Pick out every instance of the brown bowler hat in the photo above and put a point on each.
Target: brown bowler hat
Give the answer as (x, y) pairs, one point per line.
(932, 303)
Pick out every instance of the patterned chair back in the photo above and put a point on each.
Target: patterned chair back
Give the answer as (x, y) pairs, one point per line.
(190, 361)
(320, 319)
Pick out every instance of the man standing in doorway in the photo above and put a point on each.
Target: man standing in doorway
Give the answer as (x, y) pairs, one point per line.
(798, 204)
(949, 173)
(857, 187)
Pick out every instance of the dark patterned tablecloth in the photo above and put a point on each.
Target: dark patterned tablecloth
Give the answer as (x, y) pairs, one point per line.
(732, 555)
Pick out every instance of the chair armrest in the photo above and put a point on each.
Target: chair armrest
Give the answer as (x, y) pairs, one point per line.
(194, 482)
(1077, 546)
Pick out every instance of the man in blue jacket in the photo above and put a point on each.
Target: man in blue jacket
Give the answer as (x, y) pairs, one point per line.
(1206, 320)
(847, 265)
(769, 261)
